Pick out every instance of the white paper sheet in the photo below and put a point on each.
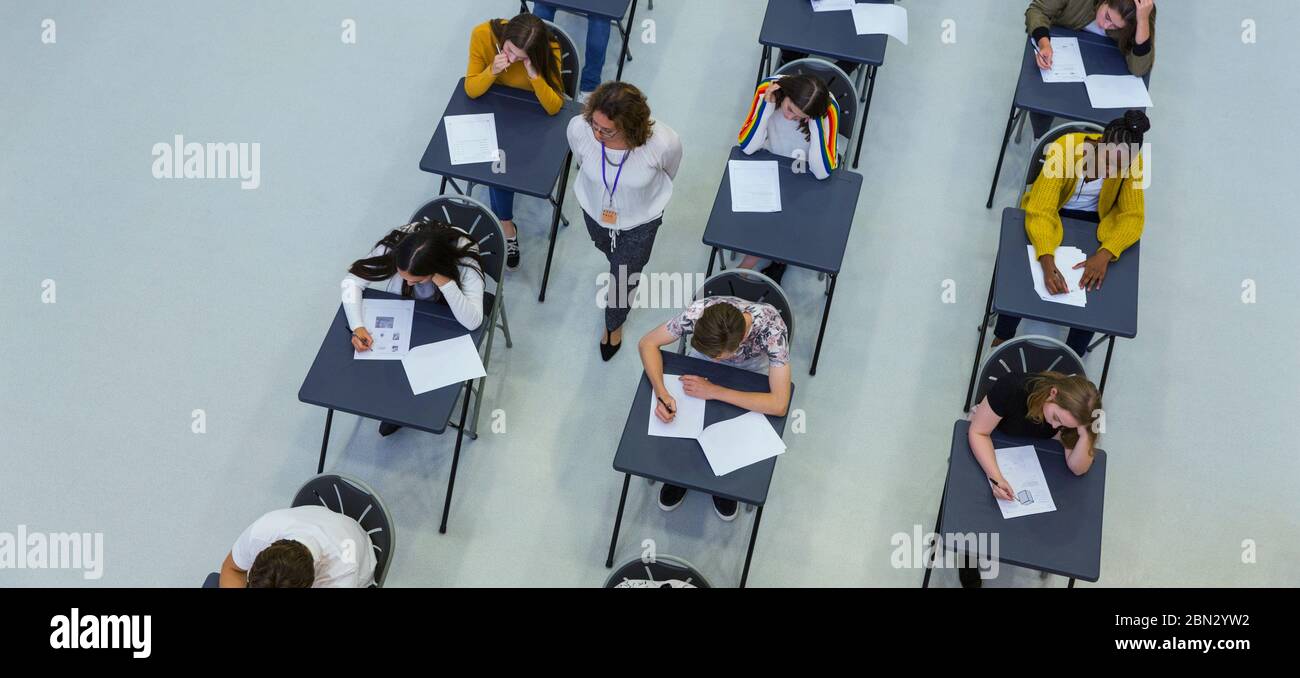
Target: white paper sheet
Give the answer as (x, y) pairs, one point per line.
(1067, 62)
(471, 138)
(389, 324)
(1066, 258)
(442, 363)
(755, 185)
(872, 18)
(832, 5)
(1020, 467)
(1117, 91)
(737, 443)
(689, 420)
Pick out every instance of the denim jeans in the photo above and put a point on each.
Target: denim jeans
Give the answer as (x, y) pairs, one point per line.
(503, 203)
(593, 62)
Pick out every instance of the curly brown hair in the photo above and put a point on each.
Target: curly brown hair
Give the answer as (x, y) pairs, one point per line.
(626, 106)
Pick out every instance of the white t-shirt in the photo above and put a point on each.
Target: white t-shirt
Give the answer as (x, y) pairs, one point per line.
(466, 303)
(339, 546)
(1087, 194)
(1094, 28)
(646, 184)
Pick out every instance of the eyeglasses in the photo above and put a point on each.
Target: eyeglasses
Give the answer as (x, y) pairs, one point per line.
(602, 132)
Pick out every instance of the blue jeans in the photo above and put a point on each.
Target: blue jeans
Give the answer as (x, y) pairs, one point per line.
(503, 203)
(593, 62)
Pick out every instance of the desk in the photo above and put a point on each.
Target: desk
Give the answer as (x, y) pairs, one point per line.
(1068, 100)
(813, 243)
(536, 147)
(378, 389)
(680, 461)
(1066, 542)
(612, 10)
(1111, 310)
(793, 25)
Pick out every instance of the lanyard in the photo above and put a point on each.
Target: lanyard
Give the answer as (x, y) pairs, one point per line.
(603, 178)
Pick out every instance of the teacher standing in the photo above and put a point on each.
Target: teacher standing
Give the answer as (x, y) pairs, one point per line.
(627, 162)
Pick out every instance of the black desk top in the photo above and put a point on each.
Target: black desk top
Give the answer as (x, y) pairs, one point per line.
(1069, 100)
(1066, 541)
(1110, 310)
(811, 230)
(681, 461)
(793, 25)
(379, 389)
(536, 145)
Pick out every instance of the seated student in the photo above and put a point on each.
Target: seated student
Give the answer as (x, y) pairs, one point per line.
(518, 53)
(731, 331)
(422, 260)
(300, 547)
(1043, 405)
(593, 59)
(1130, 23)
(778, 122)
(1103, 192)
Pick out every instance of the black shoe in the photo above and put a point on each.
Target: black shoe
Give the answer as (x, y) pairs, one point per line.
(608, 350)
(512, 253)
(774, 271)
(726, 508)
(671, 496)
(386, 429)
(970, 577)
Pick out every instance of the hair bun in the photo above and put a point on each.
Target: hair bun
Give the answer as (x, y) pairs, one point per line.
(1137, 121)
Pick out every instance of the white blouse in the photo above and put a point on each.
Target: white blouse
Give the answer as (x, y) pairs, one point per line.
(466, 300)
(646, 184)
(1086, 196)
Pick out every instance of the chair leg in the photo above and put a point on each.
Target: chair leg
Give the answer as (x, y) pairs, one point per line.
(482, 382)
(626, 34)
(505, 324)
(1020, 125)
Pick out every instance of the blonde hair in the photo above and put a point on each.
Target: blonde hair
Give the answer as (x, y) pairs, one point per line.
(1074, 394)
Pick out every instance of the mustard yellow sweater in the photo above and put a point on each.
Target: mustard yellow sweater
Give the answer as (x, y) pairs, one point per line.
(1121, 205)
(478, 77)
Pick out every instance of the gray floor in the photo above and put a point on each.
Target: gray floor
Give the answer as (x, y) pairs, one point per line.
(181, 295)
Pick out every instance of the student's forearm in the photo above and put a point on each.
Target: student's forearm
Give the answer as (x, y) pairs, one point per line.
(1079, 457)
(653, 362)
(476, 84)
(232, 578)
(981, 445)
(766, 403)
(551, 100)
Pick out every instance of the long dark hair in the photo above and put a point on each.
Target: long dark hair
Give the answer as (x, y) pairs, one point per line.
(421, 248)
(1128, 129)
(530, 34)
(808, 93)
(1128, 10)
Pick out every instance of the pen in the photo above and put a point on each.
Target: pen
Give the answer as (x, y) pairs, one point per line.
(666, 407)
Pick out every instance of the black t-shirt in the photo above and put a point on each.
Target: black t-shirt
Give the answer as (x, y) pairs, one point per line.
(1009, 399)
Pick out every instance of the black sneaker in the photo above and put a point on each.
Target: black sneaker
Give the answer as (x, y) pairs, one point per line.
(386, 429)
(671, 496)
(970, 577)
(726, 508)
(774, 271)
(512, 254)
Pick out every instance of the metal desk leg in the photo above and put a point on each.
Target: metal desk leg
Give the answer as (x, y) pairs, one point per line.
(1110, 347)
(442, 189)
(325, 442)
(826, 314)
(749, 555)
(455, 460)
(764, 63)
(618, 520)
(938, 541)
(979, 348)
(866, 110)
(713, 254)
(1002, 154)
(622, 57)
(555, 225)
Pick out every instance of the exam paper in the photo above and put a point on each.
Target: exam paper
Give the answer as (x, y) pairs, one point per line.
(831, 5)
(442, 363)
(689, 420)
(1067, 61)
(1117, 91)
(389, 324)
(471, 138)
(1066, 258)
(872, 18)
(1020, 467)
(755, 185)
(737, 443)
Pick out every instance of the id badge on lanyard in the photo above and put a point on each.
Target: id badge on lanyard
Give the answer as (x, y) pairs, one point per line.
(609, 211)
